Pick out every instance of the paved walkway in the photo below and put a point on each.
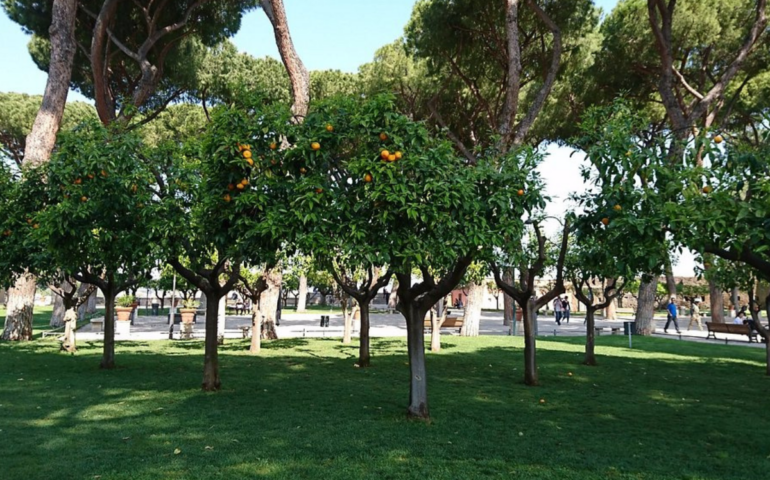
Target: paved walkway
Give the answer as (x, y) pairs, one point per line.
(390, 325)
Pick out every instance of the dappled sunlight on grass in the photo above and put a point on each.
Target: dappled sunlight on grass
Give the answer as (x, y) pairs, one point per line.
(301, 409)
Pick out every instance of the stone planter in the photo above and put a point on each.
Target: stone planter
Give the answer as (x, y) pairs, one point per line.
(124, 313)
(188, 315)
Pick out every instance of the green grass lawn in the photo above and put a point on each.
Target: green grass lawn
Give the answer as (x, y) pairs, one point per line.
(301, 410)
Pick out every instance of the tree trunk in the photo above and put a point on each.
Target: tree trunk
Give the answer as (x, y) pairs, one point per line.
(767, 356)
(39, 145)
(211, 381)
(57, 317)
(364, 359)
(418, 386)
(268, 303)
(19, 311)
(472, 315)
(670, 281)
(610, 313)
(83, 308)
(507, 300)
(735, 299)
(393, 298)
(70, 325)
(530, 348)
(108, 353)
(256, 328)
(590, 358)
(347, 316)
(302, 295)
(91, 303)
(435, 330)
(717, 303)
(645, 309)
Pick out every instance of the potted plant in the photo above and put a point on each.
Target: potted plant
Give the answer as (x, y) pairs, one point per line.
(125, 305)
(189, 307)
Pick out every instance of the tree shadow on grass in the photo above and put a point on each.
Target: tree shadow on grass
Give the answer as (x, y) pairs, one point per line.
(290, 416)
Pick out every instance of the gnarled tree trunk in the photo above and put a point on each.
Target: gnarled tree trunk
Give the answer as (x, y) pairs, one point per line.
(717, 303)
(507, 299)
(18, 314)
(211, 380)
(472, 314)
(70, 325)
(39, 145)
(268, 302)
(302, 295)
(645, 310)
(57, 316)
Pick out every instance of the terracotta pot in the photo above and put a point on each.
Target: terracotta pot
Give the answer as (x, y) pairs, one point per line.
(124, 313)
(188, 315)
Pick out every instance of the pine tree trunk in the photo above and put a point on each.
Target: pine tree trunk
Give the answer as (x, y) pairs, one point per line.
(472, 315)
(268, 303)
(590, 358)
(507, 300)
(108, 353)
(418, 386)
(70, 325)
(91, 303)
(302, 295)
(256, 329)
(530, 347)
(645, 310)
(39, 145)
(57, 316)
(364, 359)
(717, 303)
(19, 311)
(211, 381)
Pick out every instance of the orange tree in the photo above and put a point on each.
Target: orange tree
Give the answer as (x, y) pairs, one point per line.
(219, 203)
(371, 189)
(87, 214)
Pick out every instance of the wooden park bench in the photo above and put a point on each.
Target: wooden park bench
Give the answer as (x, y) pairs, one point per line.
(612, 330)
(737, 329)
(449, 322)
(98, 324)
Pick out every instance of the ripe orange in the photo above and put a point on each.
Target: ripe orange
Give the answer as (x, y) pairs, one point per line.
(303, 170)
(247, 154)
(315, 146)
(104, 174)
(384, 154)
(520, 192)
(319, 190)
(240, 186)
(250, 162)
(383, 136)
(329, 128)
(398, 155)
(368, 178)
(718, 139)
(29, 221)
(707, 189)
(36, 226)
(7, 233)
(83, 198)
(391, 158)
(273, 146)
(240, 147)
(606, 221)
(231, 187)
(78, 181)
(226, 198)
(91, 176)
(617, 208)
(245, 181)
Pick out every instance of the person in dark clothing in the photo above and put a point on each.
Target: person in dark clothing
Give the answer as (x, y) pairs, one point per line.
(672, 314)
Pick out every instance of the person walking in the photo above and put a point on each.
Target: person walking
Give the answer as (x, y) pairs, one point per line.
(565, 309)
(557, 310)
(672, 314)
(695, 315)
